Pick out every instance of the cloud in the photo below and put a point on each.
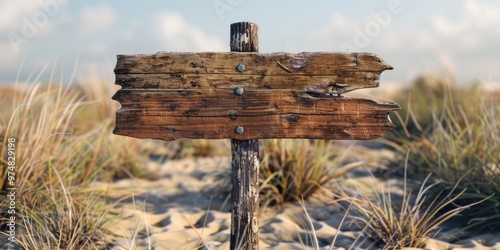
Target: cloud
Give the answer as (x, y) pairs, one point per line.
(39, 28)
(446, 27)
(97, 18)
(464, 40)
(166, 31)
(477, 15)
(98, 48)
(337, 23)
(13, 11)
(179, 35)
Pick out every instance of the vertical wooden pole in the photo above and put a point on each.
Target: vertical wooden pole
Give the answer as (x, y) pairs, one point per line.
(245, 161)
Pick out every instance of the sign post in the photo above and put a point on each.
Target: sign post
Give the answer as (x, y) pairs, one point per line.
(244, 158)
(245, 96)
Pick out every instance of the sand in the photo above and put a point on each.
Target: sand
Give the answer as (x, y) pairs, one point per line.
(187, 207)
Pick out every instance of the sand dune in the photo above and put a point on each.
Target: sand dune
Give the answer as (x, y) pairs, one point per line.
(187, 208)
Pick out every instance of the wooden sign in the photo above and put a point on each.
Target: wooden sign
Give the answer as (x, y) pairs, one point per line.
(249, 96)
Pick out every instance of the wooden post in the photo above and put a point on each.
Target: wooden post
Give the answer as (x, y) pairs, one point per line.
(245, 159)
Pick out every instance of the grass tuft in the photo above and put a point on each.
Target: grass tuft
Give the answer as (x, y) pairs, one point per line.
(294, 169)
(63, 145)
(411, 223)
(460, 144)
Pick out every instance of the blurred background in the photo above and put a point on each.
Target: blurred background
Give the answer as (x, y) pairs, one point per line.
(444, 53)
(80, 39)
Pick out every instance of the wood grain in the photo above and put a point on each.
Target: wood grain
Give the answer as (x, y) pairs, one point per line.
(335, 83)
(214, 114)
(323, 72)
(244, 37)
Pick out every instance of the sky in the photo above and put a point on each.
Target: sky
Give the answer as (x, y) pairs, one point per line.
(71, 40)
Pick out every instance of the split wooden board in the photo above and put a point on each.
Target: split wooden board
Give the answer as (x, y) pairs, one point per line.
(249, 96)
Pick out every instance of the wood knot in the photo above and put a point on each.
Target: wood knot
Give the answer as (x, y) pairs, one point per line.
(292, 119)
(233, 115)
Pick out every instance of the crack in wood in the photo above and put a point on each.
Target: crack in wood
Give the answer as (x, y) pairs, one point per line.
(283, 67)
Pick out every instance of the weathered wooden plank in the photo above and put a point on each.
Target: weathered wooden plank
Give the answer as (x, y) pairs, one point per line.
(173, 114)
(325, 72)
(338, 82)
(291, 126)
(283, 64)
(225, 103)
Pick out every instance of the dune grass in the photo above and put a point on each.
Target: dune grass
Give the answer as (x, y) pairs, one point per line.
(63, 144)
(292, 170)
(411, 223)
(458, 144)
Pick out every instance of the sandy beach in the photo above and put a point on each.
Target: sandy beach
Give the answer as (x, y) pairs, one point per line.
(187, 207)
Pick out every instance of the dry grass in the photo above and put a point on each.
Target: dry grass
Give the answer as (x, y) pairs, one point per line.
(63, 144)
(292, 170)
(411, 223)
(459, 144)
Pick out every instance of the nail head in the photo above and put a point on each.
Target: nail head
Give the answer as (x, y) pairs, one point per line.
(240, 67)
(239, 91)
(239, 130)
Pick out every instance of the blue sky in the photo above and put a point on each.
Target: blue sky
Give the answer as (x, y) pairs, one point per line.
(84, 37)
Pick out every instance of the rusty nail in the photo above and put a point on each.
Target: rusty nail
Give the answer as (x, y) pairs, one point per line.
(240, 67)
(239, 91)
(239, 130)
